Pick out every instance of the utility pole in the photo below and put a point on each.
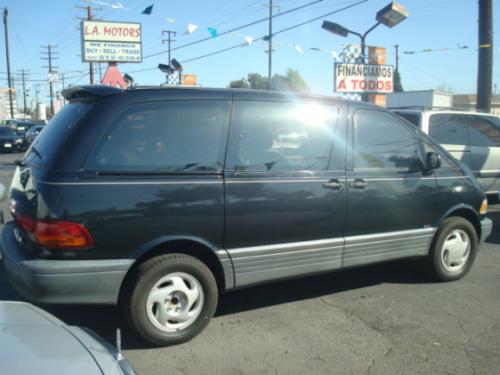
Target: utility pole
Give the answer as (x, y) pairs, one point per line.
(62, 82)
(9, 82)
(23, 73)
(169, 41)
(90, 16)
(270, 46)
(397, 57)
(49, 55)
(485, 56)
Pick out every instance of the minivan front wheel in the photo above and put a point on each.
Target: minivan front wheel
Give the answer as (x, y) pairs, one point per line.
(171, 299)
(454, 249)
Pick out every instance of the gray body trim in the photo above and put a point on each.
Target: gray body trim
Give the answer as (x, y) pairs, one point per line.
(373, 248)
(227, 268)
(64, 281)
(270, 262)
(261, 263)
(486, 229)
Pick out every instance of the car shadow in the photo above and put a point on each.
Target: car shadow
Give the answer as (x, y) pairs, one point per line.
(104, 320)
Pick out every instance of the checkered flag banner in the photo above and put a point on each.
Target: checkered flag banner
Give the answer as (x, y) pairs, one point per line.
(172, 79)
(351, 54)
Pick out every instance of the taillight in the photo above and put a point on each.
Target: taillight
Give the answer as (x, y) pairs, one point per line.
(55, 234)
(25, 222)
(62, 235)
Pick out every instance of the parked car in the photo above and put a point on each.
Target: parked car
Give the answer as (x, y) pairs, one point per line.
(10, 141)
(160, 199)
(471, 137)
(34, 341)
(32, 133)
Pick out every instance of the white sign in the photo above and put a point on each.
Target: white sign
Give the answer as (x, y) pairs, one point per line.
(359, 78)
(104, 41)
(53, 77)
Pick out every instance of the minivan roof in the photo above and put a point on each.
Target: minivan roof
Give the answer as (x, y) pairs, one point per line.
(97, 91)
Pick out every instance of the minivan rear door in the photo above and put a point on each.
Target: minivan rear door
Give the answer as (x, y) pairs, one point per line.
(484, 134)
(450, 130)
(284, 189)
(391, 203)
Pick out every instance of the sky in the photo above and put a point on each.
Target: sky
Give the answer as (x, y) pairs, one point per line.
(432, 24)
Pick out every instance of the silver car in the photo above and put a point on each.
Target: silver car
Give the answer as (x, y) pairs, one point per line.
(32, 341)
(471, 137)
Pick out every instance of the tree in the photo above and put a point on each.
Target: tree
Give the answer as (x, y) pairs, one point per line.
(291, 81)
(239, 84)
(257, 81)
(398, 86)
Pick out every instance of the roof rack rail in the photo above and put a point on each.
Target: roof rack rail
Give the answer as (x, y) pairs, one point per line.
(435, 108)
(89, 91)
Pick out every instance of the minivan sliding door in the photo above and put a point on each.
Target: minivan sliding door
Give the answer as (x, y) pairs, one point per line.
(284, 190)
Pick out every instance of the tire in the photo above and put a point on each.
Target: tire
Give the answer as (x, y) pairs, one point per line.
(170, 299)
(453, 249)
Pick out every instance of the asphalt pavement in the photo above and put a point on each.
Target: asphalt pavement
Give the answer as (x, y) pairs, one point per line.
(384, 319)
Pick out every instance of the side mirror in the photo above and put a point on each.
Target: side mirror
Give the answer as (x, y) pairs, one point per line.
(3, 192)
(432, 161)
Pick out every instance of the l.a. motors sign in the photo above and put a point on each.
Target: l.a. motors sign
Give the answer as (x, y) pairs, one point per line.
(105, 41)
(359, 78)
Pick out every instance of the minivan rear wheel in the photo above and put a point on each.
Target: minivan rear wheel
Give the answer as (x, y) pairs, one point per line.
(171, 299)
(453, 250)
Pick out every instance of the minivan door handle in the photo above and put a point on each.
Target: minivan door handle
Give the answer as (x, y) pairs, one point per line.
(333, 184)
(358, 183)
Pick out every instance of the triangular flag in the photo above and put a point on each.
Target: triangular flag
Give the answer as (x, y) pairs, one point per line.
(191, 28)
(117, 5)
(148, 10)
(213, 32)
(169, 20)
(298, 48)
(335, 55)
(248, 40)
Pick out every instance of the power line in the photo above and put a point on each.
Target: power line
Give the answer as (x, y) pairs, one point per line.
(266, 19)
(262, 37)
(277, 32)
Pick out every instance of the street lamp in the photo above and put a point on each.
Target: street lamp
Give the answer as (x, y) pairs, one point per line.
(390, 16)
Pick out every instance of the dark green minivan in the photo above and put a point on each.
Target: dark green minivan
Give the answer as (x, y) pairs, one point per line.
(160, 199)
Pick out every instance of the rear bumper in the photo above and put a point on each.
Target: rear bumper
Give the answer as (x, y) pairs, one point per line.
(61, 281)
(486, 228)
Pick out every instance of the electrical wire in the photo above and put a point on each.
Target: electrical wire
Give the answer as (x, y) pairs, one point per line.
(266, 19)
(262, 37)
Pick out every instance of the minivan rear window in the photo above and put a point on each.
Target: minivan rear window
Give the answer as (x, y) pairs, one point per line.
(55, 132)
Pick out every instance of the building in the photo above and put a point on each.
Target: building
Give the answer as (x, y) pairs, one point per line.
(469, 101)
(5, 103)
(420, 98)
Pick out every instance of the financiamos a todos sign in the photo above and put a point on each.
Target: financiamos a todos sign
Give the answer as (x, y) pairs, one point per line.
(360, 78)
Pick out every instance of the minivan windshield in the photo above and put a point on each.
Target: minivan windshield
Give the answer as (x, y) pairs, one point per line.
(56, 131)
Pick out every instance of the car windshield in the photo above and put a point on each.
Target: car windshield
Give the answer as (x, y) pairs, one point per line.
(6, 132)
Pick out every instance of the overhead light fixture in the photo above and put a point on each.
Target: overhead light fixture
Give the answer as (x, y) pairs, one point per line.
(167, 69)
(392, 14)
(176, 65)
(335, 28)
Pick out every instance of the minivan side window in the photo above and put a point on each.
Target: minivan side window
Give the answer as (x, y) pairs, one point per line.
(381, 140)
(449, 129)
(278, 136)
(173, 136)
(482, 132)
